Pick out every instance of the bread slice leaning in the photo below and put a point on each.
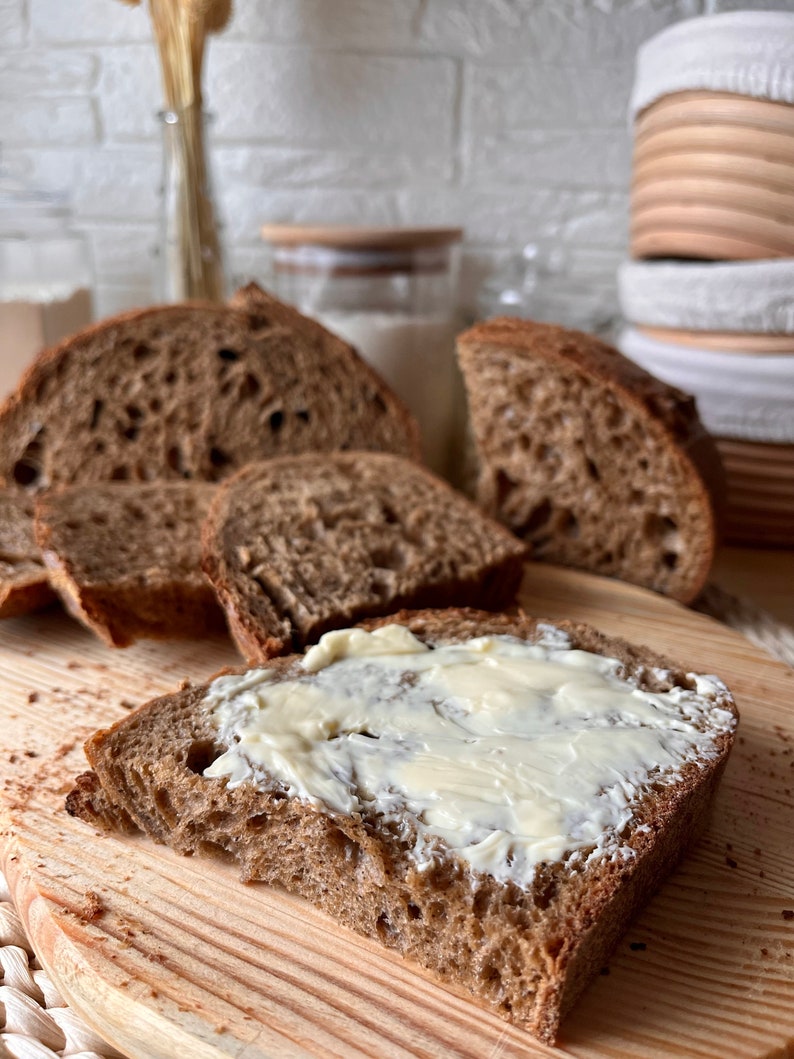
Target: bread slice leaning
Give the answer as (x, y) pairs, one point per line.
(24, 585)
(588, 457)
(191, 391)
(525, 949)
(125, 558)
(299, 545)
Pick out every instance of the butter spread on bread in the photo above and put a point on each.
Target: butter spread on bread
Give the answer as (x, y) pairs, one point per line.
(511, 753)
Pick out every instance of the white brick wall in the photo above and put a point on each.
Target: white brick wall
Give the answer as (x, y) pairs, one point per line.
(505, 116)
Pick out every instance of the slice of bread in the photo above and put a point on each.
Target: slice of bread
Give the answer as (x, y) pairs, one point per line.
(192, 391)
(24, 585)
(299, 545)
(125, 557)
(527, 945)
(588, 457)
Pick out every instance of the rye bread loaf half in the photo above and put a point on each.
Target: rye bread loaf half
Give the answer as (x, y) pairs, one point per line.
(588, 457)
(125, 558)
(299, 545)
(526, 950)
(24, 585)
(192, 391)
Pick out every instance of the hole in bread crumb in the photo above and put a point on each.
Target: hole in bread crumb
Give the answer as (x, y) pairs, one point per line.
(175, 459)
(383, 926)
(276, 420)
(200, 756)
(26, 472)
(27, 469)
(568, 524)
(256, 823)
(250, 386)
(120, 474)
(133, 411)
(379, 403)
(593, 471)
(142, 351)
(303, 415)
(537, 519)
(164, 806)
(414, 911)
(213, 849)
(219, 458)
(130, 433)
(228, 354)
(96, 412)
(670, 560)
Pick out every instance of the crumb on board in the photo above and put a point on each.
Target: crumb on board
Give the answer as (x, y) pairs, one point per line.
(33, 696)
(788, 913)
(92, 906)
(637, 946)
(731, 862)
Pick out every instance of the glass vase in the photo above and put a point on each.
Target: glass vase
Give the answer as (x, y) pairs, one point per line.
(190, 254)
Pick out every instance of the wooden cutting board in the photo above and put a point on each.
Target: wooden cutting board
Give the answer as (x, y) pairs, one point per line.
(172, 957)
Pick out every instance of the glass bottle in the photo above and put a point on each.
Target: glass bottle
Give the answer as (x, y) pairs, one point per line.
(190, 254)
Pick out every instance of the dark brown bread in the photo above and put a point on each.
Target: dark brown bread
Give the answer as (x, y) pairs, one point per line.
(591, 459)
(527, 953)
(302, 544)
(192, 391)
(125, 557)
(23, 579)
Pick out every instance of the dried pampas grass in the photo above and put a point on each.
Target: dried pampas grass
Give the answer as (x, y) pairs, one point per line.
(192, 258)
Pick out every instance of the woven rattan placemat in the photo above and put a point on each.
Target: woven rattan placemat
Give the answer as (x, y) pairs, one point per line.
(35, 1023)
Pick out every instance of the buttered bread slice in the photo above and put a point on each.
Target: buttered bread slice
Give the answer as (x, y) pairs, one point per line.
(492, 797)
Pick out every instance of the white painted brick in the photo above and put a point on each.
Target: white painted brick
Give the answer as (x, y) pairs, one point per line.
(129, 92)
(87, 21)
(47, 73)
(570, 32)
(13, 25)
(48, 121)
(293, 167)
(377, 24)
(568, 157)
(299, 97)
(714, 7)
(123, 253)
(119, 182)
(524, 213)
(246, 209)
(535, 96)
(110, 299)
(44, 168)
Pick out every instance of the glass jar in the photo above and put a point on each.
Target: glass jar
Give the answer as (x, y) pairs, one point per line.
(391, 293)
(46, 278)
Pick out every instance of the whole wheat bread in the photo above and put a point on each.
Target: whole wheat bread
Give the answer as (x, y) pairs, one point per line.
(526, 951)
(24, 585)
(591, 459)
(192, 391)
(299, 545)
(125, 557)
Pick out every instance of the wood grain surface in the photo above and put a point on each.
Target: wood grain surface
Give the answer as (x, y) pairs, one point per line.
(173, 957)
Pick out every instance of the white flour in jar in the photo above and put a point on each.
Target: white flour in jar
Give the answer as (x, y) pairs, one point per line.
(33, 317)
(415, 355)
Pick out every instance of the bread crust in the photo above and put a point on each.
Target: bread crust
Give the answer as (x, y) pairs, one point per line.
(527, 954)
(510, 463)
